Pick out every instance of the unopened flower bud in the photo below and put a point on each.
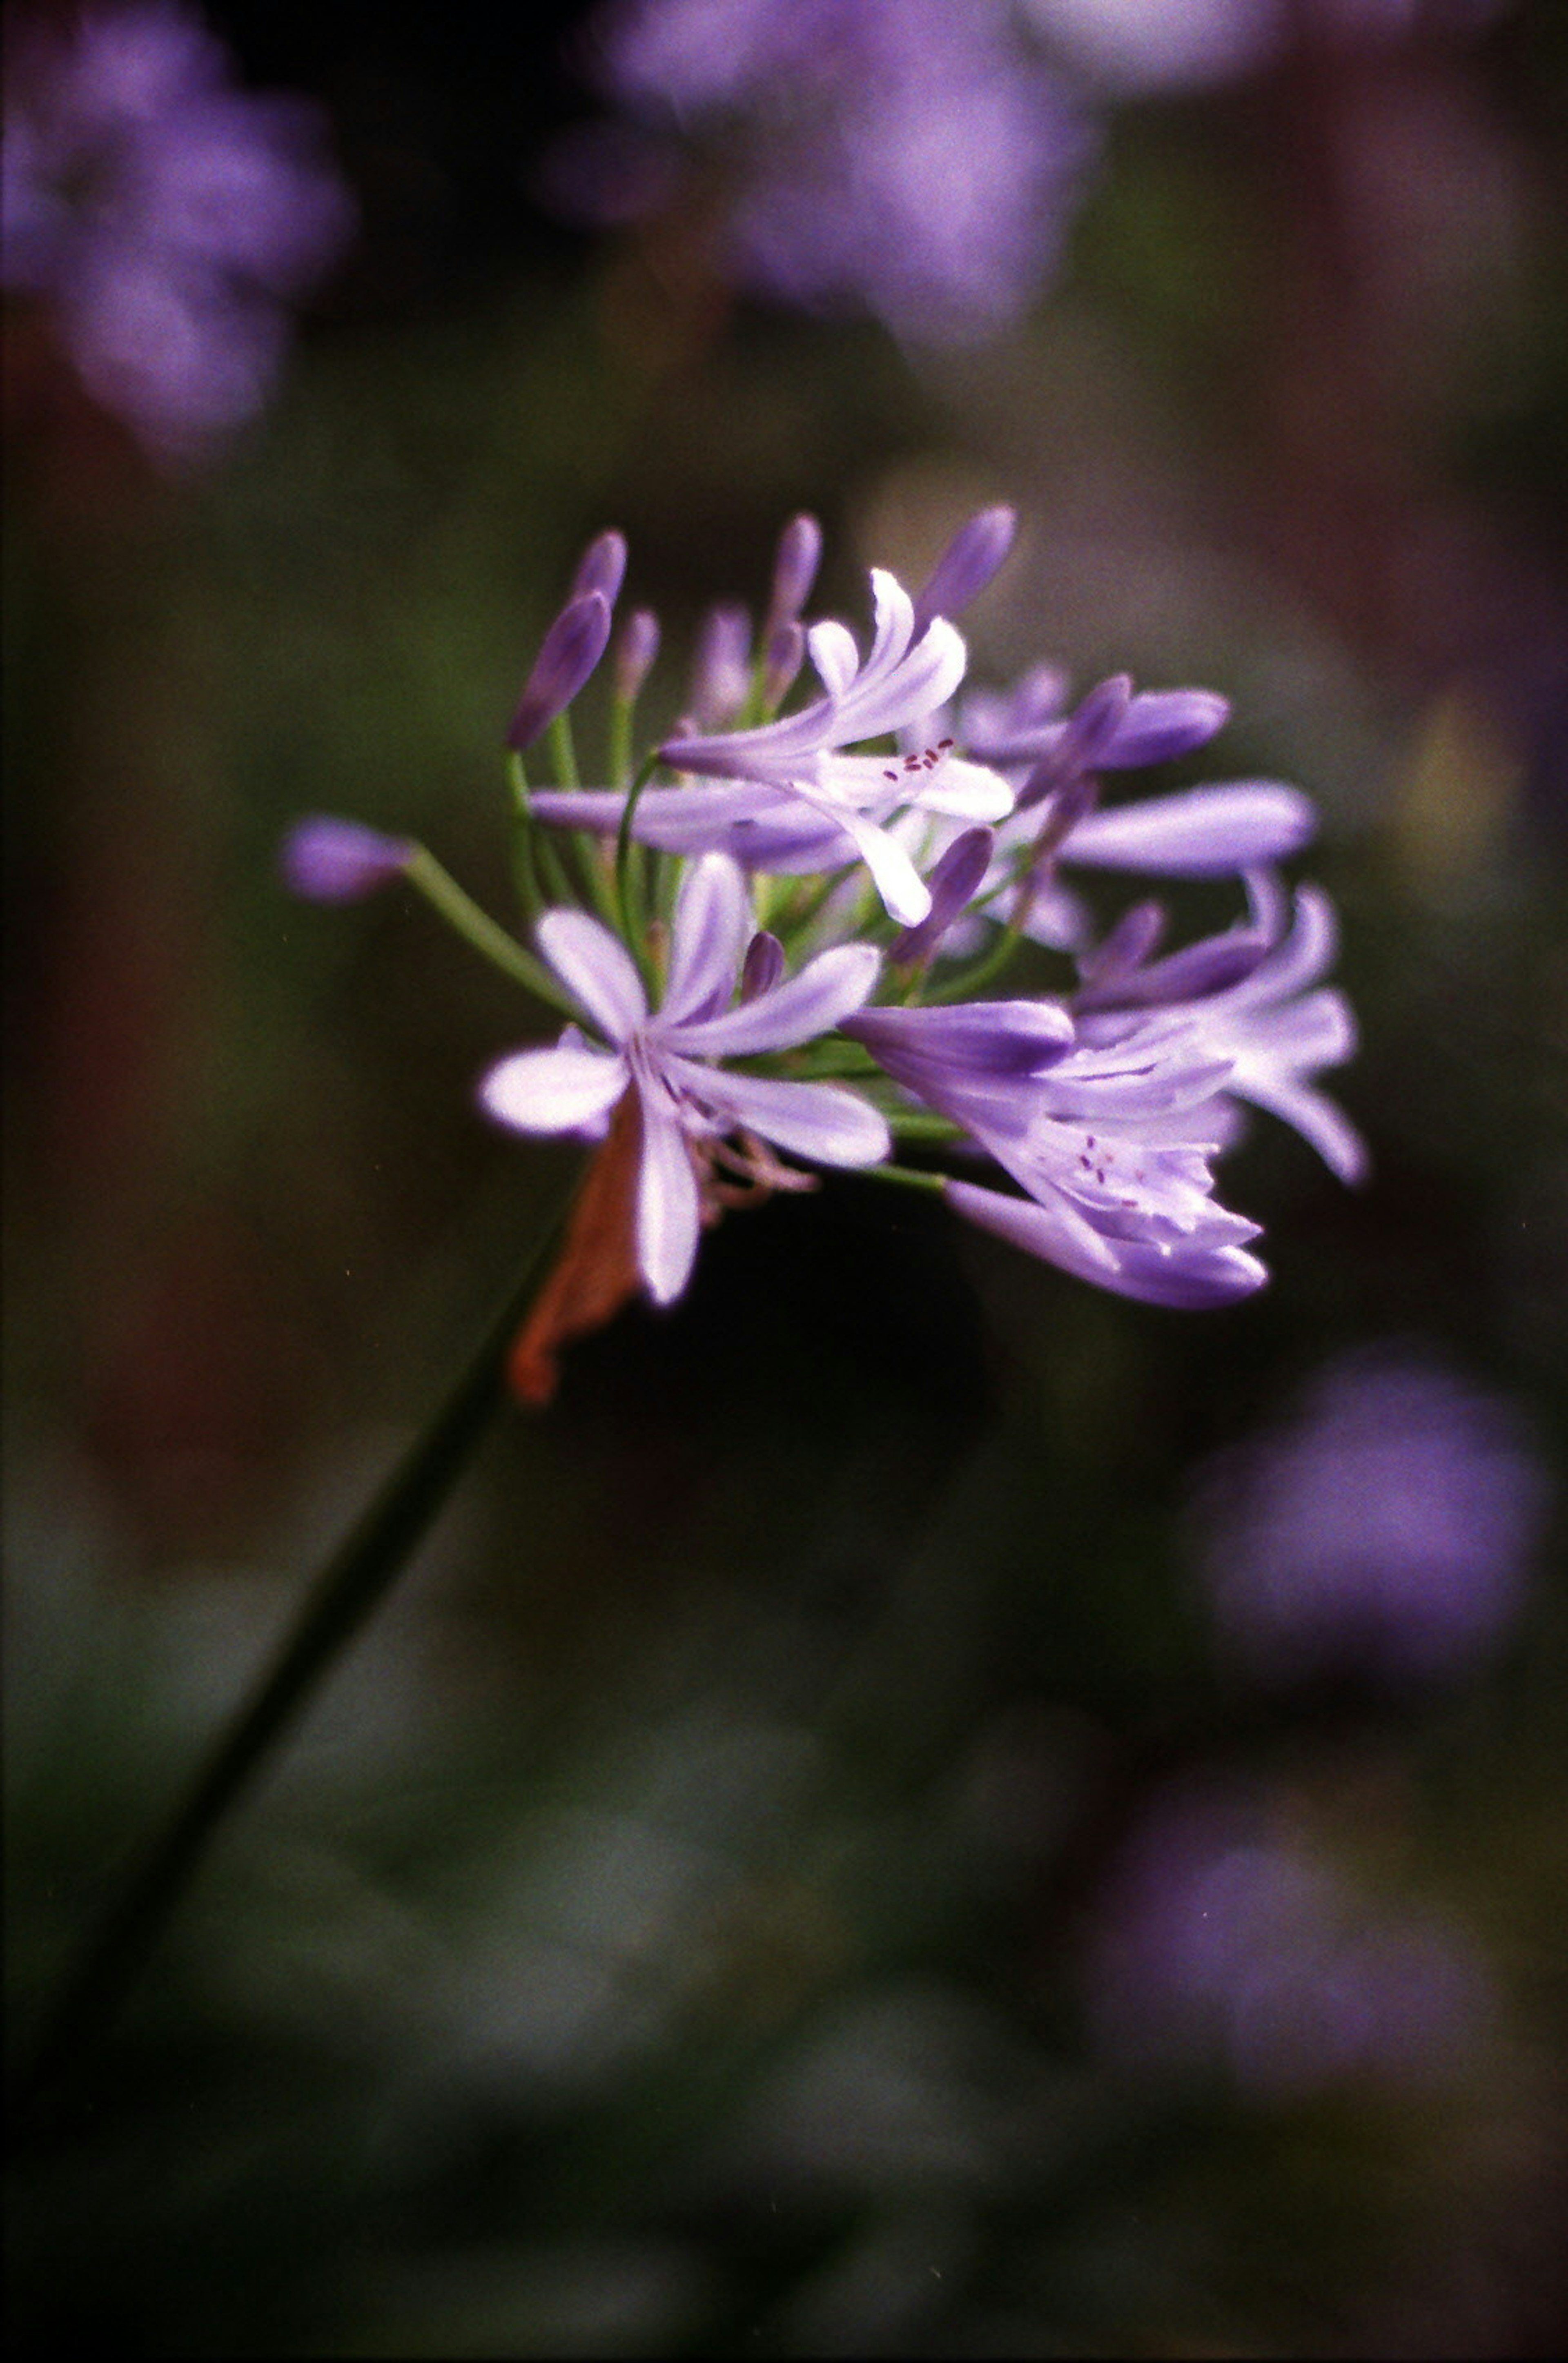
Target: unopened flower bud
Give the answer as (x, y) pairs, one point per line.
(637, 647)
(721, 677)
(330, 861)
(794, 570)
(601, 568)
(953, 884)
(572, 647)
(967, 565)
(785, 655)
(762, 966)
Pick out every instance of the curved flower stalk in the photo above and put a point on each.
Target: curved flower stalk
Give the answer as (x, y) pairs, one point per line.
(688, 1106)
(742, 933)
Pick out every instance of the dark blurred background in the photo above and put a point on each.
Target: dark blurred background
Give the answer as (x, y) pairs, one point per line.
(918, 1808)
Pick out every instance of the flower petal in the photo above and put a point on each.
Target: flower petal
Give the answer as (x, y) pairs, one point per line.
(555, 1090)
(667, 1214)
(596, 970)
(1199, 833)
(1185, 1275)
(813, 1003)
(713, 919)
(826, 1121)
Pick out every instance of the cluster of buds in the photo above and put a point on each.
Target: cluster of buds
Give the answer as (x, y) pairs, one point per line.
(779, 943)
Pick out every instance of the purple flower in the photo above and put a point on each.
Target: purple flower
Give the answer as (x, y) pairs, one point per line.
(1273, 1032)
(330, 861)
(167, 216)
(789, 796)
(1112, 1144)
(908, 158)
(1386, 1529)
(1222, 1940)
(688, 1106)
(567, 660)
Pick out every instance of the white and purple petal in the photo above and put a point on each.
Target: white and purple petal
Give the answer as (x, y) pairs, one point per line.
(596, 970)
(557, 1090)
(813, 1003)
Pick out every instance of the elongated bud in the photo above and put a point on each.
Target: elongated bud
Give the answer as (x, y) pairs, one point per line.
(332, 861)
(967, 565)
(638, 647)
(1161, 724)
(1126, 947)
(601, 568)
(1097, 723)
(721, 677)
(785, 655)
(794, 570)
(953, 884)
(762, 966)
(572, 647)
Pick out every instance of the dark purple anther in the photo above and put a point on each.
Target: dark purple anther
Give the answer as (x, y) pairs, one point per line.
(572, 647)
(967, 565)
(601, 568)
(330, 861)
(953, 884)
(763, 965)
(794, 570)
(634, 656)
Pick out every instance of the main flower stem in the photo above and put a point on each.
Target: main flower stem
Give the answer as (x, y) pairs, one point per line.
(346, 1593)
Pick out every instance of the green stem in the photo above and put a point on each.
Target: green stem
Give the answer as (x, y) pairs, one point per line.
(563, 751)
(459, 909)
(524, 867)
(906, 1177)
(346, 1592)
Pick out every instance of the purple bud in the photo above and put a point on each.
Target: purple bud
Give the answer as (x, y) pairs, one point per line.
(721, 677)
(1159, 725)
(1126, 947)
(1097, 723)
(762, 966)
(634, 656)
(785, 655)
(1191, 974)
(332, 861)
(601, 568)
(967, 565)
(794, 570)
(572, 647)
(953, 884)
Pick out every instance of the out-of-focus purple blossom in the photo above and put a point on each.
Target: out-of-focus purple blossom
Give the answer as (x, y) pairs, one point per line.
(635, 652)
(1127, 47)
(1112, 1147)
(687, 1106)
(1222, 1943)
(567, 659)
(327, 859)
(795, 572)
(1385, 1531)
(972, 559)
(1253, 998)
(721, 671)
(910, 157)
(167, 217)
(601, 568)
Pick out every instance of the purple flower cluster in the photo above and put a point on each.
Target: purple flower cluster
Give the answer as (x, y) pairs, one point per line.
(167, 217)
(828, 894)
(1386, 1529)
(1224, 1941)
(908, 158)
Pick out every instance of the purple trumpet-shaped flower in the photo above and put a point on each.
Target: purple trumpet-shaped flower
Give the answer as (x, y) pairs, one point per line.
(1112, 1144)
(168, 217)
(1246, 998)
(327, 859)
(790, 796)
(688, 1105)
(566, 660)
(1385, 1530)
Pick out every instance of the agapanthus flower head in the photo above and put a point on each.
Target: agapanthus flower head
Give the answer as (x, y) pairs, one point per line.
(785, 889)
(1385, 1532)
(167, 219)
(912, 159)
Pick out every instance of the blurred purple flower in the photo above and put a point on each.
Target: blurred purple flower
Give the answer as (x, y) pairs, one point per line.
(327, 859)
(167, 216)
(910, 157)
(1219, 1942)
(1386, 1530)
(1127, 47)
